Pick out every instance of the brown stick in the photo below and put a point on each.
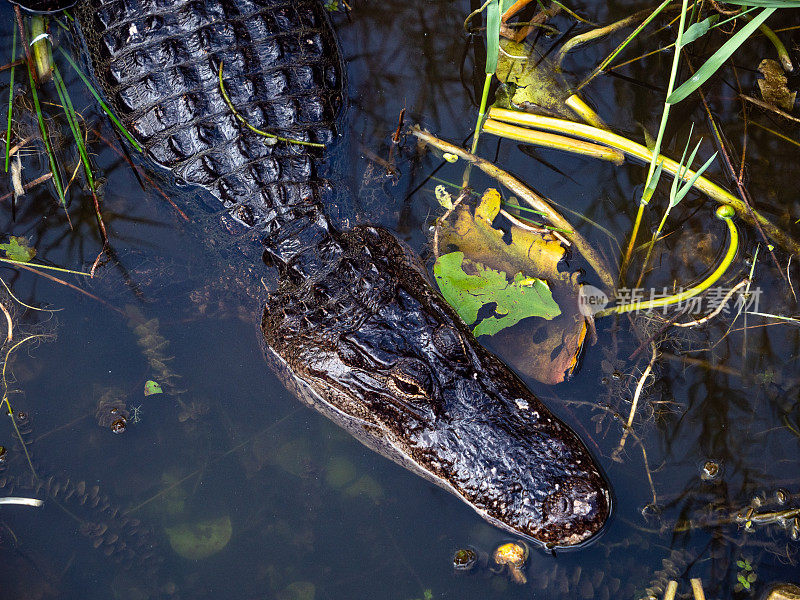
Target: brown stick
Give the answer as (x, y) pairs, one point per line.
(29, 185)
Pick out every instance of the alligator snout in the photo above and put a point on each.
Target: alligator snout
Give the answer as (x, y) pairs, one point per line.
(573, 514)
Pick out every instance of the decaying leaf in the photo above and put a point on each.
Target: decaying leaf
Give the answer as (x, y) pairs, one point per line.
(546, 350)
(200, 540)
(530, 83)
(18, 249)
(773, 87)
(469, 286)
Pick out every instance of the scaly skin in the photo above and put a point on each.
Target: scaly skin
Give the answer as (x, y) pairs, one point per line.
(354, 326)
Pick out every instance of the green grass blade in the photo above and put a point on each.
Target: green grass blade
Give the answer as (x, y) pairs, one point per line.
(713, 64)
(698, 30)
(11, 95)
(682, 164)
(652, 183)
(492, 36)
(72, 119)
(103, 105)
(46, 139)
(685, 189)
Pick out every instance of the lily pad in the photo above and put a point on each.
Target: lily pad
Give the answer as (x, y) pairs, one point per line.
(547, 350)
(200, 540)
(18, 249)
(469, 286)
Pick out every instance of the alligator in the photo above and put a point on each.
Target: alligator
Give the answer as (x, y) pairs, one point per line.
(353, 323)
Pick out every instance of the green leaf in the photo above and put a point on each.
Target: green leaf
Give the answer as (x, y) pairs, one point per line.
(468, 292)
(17, 249)
(652, 183)
(740, 564)
(698, 30)
(151, 387)
(713, 64)
(685, 189)
(492, 36)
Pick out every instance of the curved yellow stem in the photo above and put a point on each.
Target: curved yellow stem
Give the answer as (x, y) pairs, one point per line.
(551, 140)
(726, 214)
(631, 148)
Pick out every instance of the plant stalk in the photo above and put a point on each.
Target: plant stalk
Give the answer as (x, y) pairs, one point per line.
(649, 188)
(639, 151)
(724, 213)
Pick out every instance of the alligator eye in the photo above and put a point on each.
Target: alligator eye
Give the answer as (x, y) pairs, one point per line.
(411, 379)
(449, 342)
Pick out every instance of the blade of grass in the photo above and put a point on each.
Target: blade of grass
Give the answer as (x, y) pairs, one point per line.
(685, 189)
(103, 105)
(492, 54)
(46, 139)
(11, 95)
(28, 266)
(713, 64)
(72, 120)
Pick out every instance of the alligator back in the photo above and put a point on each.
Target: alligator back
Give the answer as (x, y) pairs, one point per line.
(158, 62)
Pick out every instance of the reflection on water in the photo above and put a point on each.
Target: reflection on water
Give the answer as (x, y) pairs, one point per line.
(223, 485)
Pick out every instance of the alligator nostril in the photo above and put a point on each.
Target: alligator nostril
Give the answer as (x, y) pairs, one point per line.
(563, 505)
(558, 506)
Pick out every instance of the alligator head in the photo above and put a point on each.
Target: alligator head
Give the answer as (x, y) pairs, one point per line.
(373, 346)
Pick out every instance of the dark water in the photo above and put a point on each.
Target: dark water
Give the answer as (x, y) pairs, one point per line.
(313, 513)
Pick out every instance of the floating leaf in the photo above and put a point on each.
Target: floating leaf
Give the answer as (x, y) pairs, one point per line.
(773, 87)
(151, 387)
(443, 197)
(530, 82)
(200, 540)
(469, 291)
(18, 249)
(544, 350)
